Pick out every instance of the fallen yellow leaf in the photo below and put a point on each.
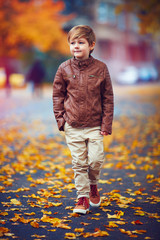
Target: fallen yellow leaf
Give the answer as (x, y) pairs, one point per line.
(15, 201)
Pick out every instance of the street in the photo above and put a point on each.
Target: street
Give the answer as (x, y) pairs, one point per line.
(37, 184)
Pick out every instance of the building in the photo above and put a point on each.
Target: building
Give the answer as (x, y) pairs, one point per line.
(118, 42)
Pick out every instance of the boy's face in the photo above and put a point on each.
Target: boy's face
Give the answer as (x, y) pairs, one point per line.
(80, 48)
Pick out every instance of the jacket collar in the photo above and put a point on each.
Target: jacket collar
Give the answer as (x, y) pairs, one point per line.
(82, 64)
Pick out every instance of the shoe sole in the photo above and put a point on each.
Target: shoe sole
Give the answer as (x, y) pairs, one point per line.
(95, 204)
(82, 211)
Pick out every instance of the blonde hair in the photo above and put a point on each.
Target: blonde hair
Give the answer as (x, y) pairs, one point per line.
(82, 31)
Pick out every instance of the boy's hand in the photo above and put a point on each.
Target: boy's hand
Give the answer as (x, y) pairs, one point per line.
(104, 133)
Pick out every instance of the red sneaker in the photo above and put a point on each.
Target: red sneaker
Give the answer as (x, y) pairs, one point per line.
(82, 205)
(94, 196)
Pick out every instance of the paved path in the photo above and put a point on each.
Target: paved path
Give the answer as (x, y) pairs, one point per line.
(37, 190)
(23, 105)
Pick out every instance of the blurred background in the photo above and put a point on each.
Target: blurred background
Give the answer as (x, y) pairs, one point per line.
(33, 39)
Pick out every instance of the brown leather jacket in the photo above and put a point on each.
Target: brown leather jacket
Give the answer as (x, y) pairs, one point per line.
(83, 95)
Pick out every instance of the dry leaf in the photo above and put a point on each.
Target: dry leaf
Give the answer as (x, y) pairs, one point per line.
(112, 224)
(79, 230)
(15, 202)
(70, 236)
(35, 224)
(137, 222)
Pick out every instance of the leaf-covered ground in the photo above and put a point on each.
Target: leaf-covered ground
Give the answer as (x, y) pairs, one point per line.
(36, 179)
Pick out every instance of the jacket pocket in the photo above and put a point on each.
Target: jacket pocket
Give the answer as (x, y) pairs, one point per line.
(94, 82)
(94, 76)
(70, 76)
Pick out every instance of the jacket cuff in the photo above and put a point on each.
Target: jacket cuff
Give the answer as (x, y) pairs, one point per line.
(105, 129)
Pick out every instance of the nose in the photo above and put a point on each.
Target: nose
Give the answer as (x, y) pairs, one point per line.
(76, 45)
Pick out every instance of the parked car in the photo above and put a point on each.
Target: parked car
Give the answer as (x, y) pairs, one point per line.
(17, 80)
(2, 77)
(148, 73)
(132, 75)
(128, 75)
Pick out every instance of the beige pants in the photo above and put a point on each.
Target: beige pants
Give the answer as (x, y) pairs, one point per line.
(86, 146)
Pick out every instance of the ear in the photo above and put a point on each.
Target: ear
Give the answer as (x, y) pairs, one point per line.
(92, 46)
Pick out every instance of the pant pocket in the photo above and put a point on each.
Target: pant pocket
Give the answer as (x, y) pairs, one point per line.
(66, 126)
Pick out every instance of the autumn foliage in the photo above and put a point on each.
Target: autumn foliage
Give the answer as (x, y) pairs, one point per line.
(31, 23)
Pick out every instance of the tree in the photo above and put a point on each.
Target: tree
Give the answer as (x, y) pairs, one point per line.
(148, 13)
(31, 23)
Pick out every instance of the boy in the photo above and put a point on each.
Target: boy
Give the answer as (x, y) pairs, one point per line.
(83, 108)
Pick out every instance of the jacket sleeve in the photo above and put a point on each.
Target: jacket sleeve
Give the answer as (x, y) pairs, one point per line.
(107, 103)
(59, 93)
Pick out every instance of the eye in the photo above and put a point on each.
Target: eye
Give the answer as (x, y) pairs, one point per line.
(72, 43)
(81, 42)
